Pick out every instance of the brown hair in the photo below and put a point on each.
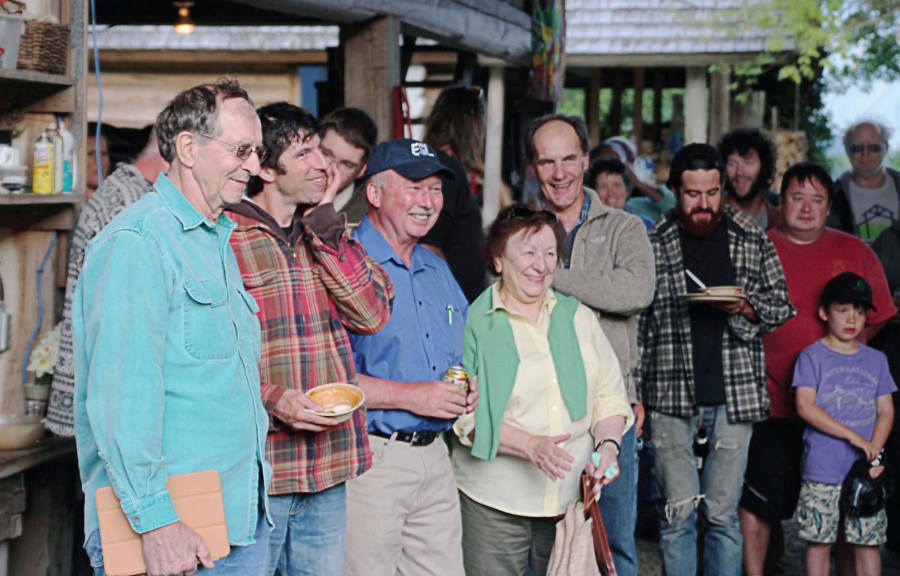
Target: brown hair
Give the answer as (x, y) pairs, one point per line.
(515, 218)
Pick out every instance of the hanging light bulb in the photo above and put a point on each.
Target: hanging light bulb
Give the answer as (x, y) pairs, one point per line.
(184, 24)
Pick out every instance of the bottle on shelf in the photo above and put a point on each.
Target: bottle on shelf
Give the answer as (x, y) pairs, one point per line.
(68, 157)
(53, 134)
(42, 176)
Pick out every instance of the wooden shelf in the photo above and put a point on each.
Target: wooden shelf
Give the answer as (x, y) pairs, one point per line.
(29, 199)
(15, 76)
(15, 461)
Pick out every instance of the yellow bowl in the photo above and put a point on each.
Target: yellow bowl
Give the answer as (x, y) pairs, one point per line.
(339, 399)
(19, 432)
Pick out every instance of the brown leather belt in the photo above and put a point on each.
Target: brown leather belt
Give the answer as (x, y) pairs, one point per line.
(422, 438)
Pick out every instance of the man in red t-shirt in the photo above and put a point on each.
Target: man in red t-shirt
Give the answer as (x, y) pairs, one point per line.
(811, 255)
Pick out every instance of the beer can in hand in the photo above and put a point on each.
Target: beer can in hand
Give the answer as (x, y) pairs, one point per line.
(458, 375)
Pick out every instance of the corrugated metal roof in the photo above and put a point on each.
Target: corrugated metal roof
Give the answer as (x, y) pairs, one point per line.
(650, 27)
(218, 38)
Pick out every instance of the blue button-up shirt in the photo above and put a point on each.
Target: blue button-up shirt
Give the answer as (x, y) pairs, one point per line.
(424, 335)
(166, 378)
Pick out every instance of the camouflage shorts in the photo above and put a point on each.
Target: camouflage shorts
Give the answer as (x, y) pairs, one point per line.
(818, 516)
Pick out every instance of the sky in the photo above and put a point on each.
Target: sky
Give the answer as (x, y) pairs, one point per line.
(880, 102)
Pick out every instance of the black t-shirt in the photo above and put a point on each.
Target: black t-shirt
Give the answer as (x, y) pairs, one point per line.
(458, 231)
(708, 258)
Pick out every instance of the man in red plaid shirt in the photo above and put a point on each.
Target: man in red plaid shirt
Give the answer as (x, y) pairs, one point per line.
(312, 283)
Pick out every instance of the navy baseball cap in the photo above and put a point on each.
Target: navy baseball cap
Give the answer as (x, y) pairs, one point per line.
(409, 158)
(848, 287)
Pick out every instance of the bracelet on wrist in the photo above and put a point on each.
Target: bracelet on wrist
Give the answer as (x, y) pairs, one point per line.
(608, 441)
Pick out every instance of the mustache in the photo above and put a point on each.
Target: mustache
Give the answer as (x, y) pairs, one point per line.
(702, 210)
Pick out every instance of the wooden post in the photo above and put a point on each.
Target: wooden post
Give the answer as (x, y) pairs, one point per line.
(657, 101)
(720, 97)
(615, 108)
(592, 105)
(372, 69)
(637, 111)
(695, 109)
(493, 148)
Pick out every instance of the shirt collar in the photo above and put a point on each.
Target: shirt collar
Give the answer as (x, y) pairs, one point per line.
(380, 250)
(498, 304)
(183, 210)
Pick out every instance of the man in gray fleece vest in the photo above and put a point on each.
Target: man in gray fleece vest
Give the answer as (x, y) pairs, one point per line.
(609, 266)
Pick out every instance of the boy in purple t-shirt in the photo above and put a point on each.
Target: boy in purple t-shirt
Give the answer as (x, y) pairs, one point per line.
(843, 393)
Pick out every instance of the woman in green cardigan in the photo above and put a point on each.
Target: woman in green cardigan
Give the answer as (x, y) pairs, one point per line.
(551, 395)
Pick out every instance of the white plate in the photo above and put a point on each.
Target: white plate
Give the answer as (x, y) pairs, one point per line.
(708, 298)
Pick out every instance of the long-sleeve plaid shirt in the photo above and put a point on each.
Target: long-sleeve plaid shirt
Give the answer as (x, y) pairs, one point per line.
(310, 290)
(666, 367)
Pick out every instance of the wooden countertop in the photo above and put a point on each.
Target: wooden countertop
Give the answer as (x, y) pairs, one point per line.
(15, 461)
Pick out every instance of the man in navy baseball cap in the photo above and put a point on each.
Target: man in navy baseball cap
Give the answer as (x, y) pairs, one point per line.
(409, 158)
(410, 492)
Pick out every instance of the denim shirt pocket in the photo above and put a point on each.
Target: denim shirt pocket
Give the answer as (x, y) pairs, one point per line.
(209, 329)
(252, 324)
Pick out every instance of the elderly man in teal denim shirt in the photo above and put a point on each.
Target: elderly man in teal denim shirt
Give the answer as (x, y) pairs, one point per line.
(167, 345)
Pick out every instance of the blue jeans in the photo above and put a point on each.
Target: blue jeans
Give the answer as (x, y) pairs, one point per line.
(309, 534)
(618, 507)
(242, 561)
(716, 490)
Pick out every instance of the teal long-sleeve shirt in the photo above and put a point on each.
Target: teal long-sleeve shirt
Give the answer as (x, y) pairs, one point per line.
(167, 344)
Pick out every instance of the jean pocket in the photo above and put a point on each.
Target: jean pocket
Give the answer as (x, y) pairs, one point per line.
(209, 329)
(94, 551)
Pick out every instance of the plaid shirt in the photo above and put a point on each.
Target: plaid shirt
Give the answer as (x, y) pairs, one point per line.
(309, 295)
(666, 371)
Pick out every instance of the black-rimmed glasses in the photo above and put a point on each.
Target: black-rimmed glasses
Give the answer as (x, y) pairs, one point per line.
(872, 148)
(242, 151)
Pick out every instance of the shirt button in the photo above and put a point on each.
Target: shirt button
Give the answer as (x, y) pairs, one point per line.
(553, 381)
(555, 408)
(342, 258)
(135, 519)
(426, 335)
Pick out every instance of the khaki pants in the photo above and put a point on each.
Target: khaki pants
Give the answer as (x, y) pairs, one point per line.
(499, 544)
(403, 514)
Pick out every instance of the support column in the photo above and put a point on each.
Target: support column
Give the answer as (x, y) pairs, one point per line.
(493, 147)
(657, 101)
(372, 68)
(637, 110)
(695, 109)
(592, 105)
(720, 103)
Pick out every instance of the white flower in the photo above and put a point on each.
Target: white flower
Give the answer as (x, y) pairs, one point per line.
(44, 355)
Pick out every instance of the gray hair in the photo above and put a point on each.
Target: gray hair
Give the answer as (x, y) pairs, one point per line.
(884, 131)
(196, 110)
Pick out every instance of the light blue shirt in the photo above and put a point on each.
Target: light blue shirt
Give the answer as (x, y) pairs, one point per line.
(166, 351)
(646, 207)
(424, 336)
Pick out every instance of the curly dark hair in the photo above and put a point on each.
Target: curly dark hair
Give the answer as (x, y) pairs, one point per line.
(742, 140)
(515, 218)
(196, 110)
(282, 125)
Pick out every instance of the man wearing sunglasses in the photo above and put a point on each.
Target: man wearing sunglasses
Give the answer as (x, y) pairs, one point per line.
(167, 345)
(866, 197)
(608, 265)
(312, 283)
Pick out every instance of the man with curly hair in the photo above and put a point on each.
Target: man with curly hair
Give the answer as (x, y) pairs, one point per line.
(750, 170)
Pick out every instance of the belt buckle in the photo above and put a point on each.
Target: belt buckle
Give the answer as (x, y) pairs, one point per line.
(419, 438)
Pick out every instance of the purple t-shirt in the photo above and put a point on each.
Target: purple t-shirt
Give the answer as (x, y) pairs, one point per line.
(848, 386)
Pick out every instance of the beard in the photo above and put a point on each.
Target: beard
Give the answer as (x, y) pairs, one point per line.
(698, 229)
(755, 189)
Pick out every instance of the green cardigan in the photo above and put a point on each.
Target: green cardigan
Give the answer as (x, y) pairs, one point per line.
(489, 352)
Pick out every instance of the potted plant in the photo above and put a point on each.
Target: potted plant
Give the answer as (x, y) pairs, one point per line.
(41, 362)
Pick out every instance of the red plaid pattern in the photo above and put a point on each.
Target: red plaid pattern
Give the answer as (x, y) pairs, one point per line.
(305, 343)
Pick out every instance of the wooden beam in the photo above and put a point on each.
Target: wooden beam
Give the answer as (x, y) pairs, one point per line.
(637, 110)
(372, 68)
(695, 109)
(592, 106)
(657, 100)
(615, 108)
(493, 149)
(720, 103)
